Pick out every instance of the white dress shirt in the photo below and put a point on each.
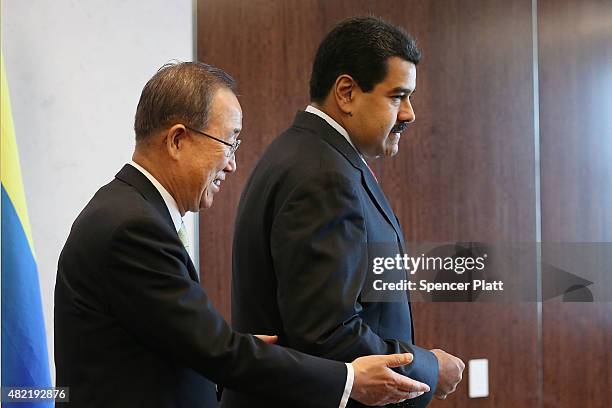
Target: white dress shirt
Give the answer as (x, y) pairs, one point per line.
(168, 199)
(178, 220)
(335, 125)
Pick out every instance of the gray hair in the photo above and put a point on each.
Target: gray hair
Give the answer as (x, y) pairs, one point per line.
(179, 92)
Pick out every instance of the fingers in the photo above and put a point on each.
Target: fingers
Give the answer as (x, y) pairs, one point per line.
(400, 393)
(461, 364)
(412, 395)
(407, 384)
(267, 339)
(375, 383)
(398, 360)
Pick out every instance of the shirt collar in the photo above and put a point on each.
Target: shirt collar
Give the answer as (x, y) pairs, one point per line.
(332, 123)
(168, 199)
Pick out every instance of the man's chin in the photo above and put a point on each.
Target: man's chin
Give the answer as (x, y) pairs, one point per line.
(391, 150)
(205, 204)
(206, 201)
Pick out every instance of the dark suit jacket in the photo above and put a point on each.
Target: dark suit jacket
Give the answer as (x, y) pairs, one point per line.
(300, 261)
(133, 328)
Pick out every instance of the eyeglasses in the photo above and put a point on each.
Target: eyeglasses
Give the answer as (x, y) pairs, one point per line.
(232, 146)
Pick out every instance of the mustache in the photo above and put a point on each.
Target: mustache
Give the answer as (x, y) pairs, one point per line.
(399, 127)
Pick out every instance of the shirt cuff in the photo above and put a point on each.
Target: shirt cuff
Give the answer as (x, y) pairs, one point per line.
(350, 377)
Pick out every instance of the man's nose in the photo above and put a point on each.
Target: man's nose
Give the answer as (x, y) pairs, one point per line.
(406, 113)
(231, 165)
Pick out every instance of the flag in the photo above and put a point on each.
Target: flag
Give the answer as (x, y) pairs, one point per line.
(25, 361)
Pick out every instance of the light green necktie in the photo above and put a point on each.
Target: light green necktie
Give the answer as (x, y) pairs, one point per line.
(182, 233)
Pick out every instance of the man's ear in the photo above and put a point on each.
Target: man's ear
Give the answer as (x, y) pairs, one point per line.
(344, 90)
(175, 140)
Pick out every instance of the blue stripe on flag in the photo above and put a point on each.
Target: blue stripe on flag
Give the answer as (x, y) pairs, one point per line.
(25, 360)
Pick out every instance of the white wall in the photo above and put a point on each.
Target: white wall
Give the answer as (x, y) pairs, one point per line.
(75, 71)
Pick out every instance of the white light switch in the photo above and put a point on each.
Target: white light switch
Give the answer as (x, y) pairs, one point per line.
(478, 370)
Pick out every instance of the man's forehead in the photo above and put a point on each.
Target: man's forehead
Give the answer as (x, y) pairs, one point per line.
(401, 75)
(225, 104)
(233, 121)
(235, 118)
(226, 113)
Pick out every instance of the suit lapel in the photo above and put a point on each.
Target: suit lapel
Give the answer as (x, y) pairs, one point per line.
(379, 197)
(330, 135)
(192, 269)
(132, 176)
(136, 179)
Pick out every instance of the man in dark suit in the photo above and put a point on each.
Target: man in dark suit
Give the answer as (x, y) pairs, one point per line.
(312, 206)
(133, 327)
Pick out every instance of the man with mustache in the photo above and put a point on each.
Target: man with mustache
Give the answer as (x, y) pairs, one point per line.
(312, 205)
(133, 327)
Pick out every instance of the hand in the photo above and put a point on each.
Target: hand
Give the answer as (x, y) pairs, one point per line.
(267, 339)
(451, 372)
(376, 384)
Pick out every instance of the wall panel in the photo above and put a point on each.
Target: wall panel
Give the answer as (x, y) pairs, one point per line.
(575, 60)
(465, 172)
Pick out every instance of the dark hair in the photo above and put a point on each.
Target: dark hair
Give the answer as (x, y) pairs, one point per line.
(359, 47)
(179, 92)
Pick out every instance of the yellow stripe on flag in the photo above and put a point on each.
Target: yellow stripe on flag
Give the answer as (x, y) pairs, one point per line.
(10, 169)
